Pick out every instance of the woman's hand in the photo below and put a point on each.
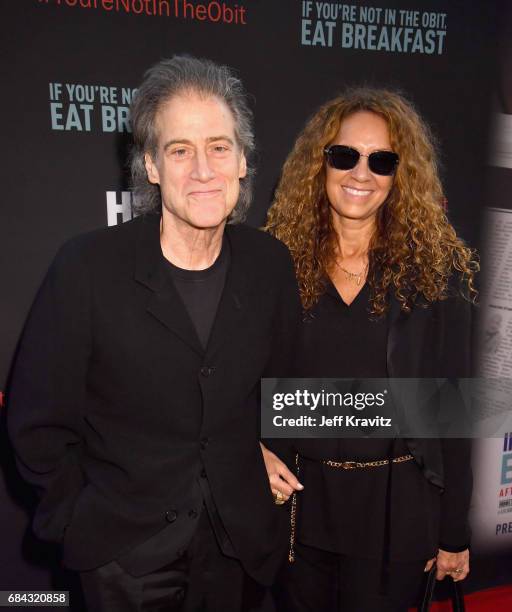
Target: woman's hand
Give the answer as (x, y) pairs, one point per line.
(282, 482)
(455, 565)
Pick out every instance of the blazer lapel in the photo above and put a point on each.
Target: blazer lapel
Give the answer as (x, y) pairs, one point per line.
(396, 323)
(406, 334)
(165, 303)
(234, 300)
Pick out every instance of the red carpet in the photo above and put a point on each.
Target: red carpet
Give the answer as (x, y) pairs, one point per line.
(499, 598)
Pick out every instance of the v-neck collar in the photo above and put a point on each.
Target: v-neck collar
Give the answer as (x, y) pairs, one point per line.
(332, 291)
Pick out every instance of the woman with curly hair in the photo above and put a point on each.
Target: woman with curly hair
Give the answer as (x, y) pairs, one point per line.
(386, 288)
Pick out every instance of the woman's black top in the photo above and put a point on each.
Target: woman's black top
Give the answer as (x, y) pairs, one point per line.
(343, 511)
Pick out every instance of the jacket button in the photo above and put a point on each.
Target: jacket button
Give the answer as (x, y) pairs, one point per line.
(171, 516)
(207, 371)
(192, 514)
(180, 595)
(203, 473)
(204, 442)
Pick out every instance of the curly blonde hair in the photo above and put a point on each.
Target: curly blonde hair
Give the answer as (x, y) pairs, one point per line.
(414, 249)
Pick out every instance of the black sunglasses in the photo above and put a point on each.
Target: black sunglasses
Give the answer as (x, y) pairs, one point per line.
(346, 158)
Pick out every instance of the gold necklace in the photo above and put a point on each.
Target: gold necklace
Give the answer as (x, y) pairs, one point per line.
(356, 277)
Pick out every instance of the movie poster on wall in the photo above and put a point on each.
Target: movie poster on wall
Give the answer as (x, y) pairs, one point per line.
(492, 458)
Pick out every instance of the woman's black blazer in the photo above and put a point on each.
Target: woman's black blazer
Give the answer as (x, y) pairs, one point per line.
(436, 342)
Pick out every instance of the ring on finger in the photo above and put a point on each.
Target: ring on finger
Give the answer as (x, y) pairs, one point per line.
(279, 498)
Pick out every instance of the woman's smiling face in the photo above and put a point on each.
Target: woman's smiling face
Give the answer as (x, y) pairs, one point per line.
(359, 193)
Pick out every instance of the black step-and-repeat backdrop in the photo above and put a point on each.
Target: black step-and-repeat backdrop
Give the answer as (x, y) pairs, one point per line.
(70, 68)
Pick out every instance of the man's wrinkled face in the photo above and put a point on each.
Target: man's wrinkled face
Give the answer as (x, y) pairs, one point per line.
(198, 163)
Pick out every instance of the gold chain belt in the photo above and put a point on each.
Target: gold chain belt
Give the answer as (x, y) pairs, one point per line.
(352, 465)
(345, 465)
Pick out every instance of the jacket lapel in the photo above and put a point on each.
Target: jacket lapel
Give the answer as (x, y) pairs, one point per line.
(406, 333)
(406, 340)
(235, 297)
(165, 303)
(396, 323)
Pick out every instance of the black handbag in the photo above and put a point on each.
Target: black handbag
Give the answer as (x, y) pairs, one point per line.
(457, 596)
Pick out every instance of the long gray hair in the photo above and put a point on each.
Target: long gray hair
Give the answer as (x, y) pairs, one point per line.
(171, 77)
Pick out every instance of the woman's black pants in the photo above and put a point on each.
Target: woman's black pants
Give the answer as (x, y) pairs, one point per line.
(321, 581)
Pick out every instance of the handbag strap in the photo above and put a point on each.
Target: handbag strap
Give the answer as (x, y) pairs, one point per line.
(457, 596)
(429, 590)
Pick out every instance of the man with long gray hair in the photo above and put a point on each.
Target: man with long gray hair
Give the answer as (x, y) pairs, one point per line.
(133, 405)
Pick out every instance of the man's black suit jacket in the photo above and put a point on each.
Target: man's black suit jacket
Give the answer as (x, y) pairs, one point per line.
(115, 410)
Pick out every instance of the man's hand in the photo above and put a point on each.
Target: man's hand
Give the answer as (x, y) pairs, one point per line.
(455, 565)
(280, 478)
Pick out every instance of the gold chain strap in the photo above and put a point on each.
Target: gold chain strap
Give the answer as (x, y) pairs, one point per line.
(293, 516)
(346, 465)
(352, 465)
